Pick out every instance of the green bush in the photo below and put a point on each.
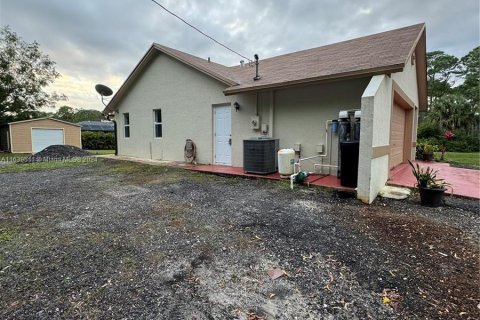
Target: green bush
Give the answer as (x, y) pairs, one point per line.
(463, 143)
(98, 140)
(427, 130)
(428, 141)
(460, 143)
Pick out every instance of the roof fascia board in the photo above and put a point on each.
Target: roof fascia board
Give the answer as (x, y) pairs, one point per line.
(203, 70)
(421, 68)
(412, 49)
(341, 76)
(111, 106)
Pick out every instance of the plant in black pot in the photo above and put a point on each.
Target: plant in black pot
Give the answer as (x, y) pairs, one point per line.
(428, 150)
(431, 188)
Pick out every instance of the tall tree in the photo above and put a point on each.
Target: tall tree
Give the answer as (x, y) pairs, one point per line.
(470, 71)
(453, 112)
(65, 113)
(441, 71)
(70, 114)
(87, 115)
(25, 72)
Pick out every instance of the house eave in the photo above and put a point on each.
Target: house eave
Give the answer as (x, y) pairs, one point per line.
(333, 77)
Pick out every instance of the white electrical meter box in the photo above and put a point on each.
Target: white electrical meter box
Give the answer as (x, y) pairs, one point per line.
(255, 122)
(319, 148)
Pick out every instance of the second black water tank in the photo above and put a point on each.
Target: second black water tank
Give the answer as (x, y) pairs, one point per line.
(349, 163)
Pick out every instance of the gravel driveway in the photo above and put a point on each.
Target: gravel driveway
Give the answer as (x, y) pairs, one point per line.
(123, 240)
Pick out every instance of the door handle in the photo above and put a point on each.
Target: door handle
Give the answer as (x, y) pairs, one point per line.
(230, 141)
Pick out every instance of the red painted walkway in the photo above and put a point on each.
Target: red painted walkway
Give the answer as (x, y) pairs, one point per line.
(465, 182)
(315, 179)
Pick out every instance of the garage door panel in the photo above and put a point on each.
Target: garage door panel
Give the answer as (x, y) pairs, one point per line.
(42, 138)
(397, 136)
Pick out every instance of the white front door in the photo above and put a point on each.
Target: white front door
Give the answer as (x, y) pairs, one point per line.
(223, 135)
(42, 138)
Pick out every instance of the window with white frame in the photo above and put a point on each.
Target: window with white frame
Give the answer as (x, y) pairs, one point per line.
(157, 123)
(126, 125)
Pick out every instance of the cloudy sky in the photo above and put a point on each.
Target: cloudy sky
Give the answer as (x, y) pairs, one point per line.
(100, 41)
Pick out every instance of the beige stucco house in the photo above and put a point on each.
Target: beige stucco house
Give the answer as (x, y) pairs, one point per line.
(172, 96)
(34, 135)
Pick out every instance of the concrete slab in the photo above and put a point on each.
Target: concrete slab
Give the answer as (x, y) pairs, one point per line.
(314, 179)
(464, 182)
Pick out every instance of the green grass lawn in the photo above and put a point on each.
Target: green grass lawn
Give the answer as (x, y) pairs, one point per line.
(101, 152)
(16, 167)
(461, 158)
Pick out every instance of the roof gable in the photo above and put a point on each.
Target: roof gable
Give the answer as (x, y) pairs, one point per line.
(45, 118)
(214, 70)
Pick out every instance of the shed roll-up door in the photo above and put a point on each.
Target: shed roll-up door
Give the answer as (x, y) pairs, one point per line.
(397, 136)
(42, 138)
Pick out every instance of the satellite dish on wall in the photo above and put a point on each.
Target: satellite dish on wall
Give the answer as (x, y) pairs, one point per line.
(103, 90)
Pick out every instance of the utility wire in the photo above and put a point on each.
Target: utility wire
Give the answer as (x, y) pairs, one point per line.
(198, 30)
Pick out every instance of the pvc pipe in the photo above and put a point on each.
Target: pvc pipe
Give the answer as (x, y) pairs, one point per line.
(324, 165)
(292, 177)
(312, 157)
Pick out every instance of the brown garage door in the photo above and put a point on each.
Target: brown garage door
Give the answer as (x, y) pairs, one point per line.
(397, 136)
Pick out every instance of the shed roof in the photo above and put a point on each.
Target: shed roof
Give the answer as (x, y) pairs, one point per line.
(97, 125)
(381, 53)
(46, 118)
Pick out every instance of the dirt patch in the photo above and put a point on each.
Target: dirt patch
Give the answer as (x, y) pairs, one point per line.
(117, 240)
(436, 261)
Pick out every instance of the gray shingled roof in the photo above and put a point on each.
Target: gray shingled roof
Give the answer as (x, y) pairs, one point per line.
(378, 53)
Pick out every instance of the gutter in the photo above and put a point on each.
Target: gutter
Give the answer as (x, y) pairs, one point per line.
(335, 77)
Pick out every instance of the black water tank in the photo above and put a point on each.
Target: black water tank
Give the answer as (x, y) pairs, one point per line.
(349, 163)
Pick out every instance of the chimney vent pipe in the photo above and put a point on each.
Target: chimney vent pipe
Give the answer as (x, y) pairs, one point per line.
(257, 76)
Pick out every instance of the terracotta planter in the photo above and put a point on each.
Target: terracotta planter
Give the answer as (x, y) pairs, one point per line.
(431, 197)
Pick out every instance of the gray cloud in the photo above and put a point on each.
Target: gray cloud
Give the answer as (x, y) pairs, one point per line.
(94, 41)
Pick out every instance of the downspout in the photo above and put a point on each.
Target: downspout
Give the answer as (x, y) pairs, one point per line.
(115, 136)
(10, 137)
(272, 104)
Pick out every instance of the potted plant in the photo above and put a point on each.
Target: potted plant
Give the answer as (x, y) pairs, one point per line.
(428, 152)
(431, 188)
(419, 151)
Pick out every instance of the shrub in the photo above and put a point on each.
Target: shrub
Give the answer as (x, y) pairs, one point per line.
(419, 151)
(428, 141)
(461, 142)
(428, 149)
(98, 140)
(428, 130)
